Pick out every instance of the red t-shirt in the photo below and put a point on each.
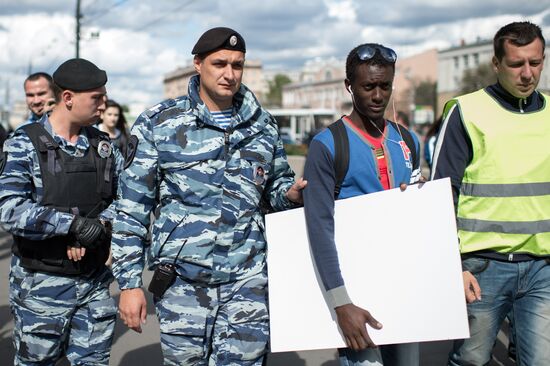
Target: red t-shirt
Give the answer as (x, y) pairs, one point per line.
(381, 161)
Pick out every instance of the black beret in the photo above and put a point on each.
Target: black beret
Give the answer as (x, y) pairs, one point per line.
(78, 74)
(219, 38)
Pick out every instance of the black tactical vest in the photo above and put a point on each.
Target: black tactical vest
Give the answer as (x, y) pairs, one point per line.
(79, 185)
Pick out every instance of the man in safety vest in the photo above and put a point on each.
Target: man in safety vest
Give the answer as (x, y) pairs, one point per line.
(494, 146)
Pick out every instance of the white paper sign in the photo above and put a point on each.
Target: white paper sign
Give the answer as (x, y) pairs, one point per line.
(399, 257)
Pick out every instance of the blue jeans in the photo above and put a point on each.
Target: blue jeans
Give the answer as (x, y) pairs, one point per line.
(406, 354)
(522, 288)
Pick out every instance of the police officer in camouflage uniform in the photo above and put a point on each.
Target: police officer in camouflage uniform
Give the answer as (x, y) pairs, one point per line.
(206, 164)
(59, 177)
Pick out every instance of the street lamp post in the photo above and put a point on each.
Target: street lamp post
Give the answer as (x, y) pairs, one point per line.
(77, 16)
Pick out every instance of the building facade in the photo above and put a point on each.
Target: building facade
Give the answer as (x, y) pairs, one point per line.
(176, 81)
(18, 114)
(455, 61)
(321, 84)
(410, 72)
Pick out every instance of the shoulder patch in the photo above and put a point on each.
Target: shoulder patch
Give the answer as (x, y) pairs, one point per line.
(131, 149)
(151, 112)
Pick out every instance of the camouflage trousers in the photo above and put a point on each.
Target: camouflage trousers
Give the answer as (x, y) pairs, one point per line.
(61, 315)
(214, 324)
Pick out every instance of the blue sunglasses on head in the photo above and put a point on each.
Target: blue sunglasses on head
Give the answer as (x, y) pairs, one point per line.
(366, 52)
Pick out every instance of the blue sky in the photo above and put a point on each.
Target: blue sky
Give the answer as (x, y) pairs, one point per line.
(141, 40)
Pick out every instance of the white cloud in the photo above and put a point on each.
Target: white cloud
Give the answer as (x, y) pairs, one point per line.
(342, 10)
(134, 61)
(410, 40)
(34, 38)
(141, 40)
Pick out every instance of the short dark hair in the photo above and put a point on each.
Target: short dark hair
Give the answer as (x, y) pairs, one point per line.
(517, 33)
(353, 61)
(201, 56)
(38, 75)
(57, 91)
(121, 123)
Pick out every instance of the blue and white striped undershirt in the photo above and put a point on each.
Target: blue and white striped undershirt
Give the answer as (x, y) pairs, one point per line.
(223, 118)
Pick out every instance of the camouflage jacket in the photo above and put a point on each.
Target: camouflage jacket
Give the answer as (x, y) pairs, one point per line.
(21, 187)
(206, 186)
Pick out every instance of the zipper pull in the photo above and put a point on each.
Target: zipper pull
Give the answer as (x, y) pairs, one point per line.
(226, 134)
(520, 106)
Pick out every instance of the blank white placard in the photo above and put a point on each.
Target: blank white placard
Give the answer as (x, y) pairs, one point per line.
(399, 257)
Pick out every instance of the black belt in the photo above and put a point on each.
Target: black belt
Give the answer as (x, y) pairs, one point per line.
(504, 257)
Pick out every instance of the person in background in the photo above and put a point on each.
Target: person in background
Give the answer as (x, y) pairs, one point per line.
(113, 123)
(429, 141)
(38, 91)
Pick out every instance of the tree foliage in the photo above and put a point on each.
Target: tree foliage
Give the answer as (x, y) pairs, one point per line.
(275, 95)
(477, 78)
(425, 93)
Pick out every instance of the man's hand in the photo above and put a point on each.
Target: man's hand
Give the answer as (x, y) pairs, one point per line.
(421, 181)
(89, 233)
(294, 194)
(471, 287)
(133, 308)
(351, 320)
(75, 253)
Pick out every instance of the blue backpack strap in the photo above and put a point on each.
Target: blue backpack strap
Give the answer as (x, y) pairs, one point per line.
(407, 137)
(341, 154)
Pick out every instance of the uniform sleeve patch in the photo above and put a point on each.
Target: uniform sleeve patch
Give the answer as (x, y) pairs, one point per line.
(131, 149)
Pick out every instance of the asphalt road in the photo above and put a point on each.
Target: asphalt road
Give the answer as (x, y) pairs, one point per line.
(131, 348)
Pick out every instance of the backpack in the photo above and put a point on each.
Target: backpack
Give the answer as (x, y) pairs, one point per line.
(341, 150)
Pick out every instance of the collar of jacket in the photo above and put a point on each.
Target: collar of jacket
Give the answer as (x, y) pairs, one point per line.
(245, 105)
(532, 103)
(81, 144)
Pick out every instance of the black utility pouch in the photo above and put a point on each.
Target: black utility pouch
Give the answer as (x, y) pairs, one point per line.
(163, 278)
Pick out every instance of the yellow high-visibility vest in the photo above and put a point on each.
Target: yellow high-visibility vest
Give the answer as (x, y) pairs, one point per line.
(504, 202)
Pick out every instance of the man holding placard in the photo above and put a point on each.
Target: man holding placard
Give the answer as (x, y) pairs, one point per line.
(361, 153)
